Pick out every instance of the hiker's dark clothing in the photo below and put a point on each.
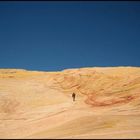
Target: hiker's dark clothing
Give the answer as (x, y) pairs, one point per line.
(73, 96)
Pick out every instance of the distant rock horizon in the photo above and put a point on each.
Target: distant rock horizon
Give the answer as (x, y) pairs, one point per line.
(91, 67)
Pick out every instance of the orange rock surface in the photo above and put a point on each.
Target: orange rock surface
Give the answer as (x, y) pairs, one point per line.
(37, 104)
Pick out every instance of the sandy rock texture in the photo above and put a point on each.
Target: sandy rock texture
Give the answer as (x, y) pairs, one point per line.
(37, 104)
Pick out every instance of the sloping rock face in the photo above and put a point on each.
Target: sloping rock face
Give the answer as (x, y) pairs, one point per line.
(102, 86)
(37, 104)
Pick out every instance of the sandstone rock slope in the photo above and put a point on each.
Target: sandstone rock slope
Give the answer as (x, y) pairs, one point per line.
(37, 104)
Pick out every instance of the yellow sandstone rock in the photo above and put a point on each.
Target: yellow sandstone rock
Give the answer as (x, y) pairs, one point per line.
(37, 104)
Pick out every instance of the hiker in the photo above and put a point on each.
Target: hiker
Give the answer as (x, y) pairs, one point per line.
(73, 96)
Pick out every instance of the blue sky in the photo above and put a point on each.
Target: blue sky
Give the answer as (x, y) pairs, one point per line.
(53, 36)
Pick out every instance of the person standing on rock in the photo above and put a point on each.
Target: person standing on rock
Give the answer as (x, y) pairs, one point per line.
(73, 96)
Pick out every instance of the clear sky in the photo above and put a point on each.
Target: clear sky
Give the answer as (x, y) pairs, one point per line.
(53, 36)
